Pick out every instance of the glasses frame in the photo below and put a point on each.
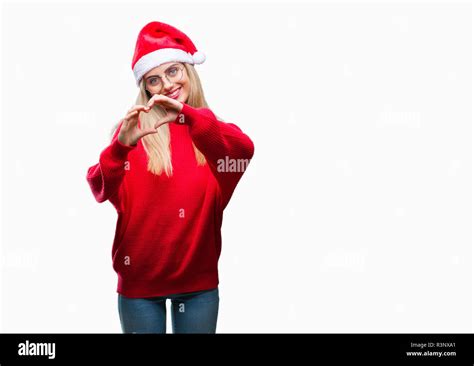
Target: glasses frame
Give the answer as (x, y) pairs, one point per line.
(178, 65)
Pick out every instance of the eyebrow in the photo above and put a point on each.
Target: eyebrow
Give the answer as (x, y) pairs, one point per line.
(165, 71)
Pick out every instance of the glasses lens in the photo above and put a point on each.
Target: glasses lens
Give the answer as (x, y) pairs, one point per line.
(154, 82)
(174, 73)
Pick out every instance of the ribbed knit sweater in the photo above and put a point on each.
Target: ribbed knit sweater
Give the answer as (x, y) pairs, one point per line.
(168, 232)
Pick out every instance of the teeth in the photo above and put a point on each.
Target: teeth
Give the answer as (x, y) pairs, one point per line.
(174, 93)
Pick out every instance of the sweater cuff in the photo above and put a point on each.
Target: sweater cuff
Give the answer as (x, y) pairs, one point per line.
(120, 151)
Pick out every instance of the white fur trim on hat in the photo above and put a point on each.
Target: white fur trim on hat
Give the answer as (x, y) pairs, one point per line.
(161, 56)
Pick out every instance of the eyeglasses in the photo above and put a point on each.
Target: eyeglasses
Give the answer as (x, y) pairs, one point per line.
(173, 74)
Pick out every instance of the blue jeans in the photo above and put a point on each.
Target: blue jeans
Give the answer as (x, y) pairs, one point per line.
(191, 312)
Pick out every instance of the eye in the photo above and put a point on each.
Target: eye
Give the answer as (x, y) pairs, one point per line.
(172, 71)
(153, 81)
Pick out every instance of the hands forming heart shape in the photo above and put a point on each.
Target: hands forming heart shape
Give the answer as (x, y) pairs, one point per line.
(130, 133)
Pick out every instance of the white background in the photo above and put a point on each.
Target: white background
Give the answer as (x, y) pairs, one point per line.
(355, 212)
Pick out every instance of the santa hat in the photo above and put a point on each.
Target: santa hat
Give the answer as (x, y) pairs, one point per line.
(158, 43)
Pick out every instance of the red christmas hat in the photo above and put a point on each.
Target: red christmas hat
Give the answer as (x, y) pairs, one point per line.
(158, 43)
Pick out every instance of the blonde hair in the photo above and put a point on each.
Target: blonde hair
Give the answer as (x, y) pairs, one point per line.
(157, 145)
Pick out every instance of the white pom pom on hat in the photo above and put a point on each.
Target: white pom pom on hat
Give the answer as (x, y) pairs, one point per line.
(158, 43)
(199, 57)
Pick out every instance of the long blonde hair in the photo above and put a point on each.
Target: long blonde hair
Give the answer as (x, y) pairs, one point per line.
(157, 145)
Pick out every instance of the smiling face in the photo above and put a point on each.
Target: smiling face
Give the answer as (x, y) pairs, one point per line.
(170, 79)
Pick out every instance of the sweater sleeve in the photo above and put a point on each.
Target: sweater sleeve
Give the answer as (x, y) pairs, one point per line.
(106, 176)
(227, 149)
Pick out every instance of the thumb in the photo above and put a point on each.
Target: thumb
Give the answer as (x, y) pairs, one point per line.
(163, 121)
(145, 132)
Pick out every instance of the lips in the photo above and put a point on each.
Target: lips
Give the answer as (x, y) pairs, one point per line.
(174, 94)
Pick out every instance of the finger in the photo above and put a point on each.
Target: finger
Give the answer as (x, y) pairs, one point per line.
(138, 107)
(151, 102)
(130, 115)
(156, 98)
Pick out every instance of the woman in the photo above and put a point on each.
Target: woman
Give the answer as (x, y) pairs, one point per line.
(170, 170)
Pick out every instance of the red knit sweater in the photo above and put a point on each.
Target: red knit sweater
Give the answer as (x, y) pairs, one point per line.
(168, 232)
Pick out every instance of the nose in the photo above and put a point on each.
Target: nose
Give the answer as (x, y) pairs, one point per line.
(167, 86)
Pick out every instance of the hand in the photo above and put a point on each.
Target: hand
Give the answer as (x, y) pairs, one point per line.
(172, 107)
(130, 133)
